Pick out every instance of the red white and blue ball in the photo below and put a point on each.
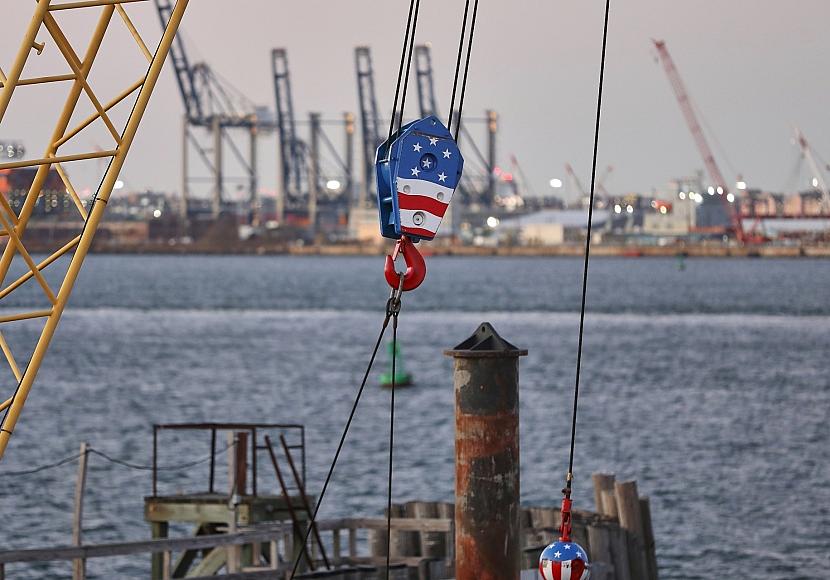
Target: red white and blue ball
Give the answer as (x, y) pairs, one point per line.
(564, 561)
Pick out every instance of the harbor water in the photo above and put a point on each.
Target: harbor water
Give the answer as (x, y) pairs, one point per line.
(709, 385)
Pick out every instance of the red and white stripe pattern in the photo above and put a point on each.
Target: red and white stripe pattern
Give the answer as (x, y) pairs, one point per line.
(422, 206)
(563, 570)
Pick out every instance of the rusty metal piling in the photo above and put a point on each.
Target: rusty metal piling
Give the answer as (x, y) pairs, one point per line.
(488, 543)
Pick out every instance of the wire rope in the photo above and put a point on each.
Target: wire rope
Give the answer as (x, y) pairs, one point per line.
(391, 444)
(458, 63)
(392, 306)
(412, 7)
(587, 251)
(466, 69)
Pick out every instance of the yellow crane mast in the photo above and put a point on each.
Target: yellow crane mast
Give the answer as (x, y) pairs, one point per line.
(14, 221)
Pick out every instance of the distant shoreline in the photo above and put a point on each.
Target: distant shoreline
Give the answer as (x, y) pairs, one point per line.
(563, 251)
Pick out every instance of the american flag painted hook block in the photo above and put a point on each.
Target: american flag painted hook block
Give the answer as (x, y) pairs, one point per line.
(418, 170)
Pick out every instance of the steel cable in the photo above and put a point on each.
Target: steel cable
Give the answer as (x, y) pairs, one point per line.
(391, 304)
(391, 444)
(466, 69)
(414, 5)
(587, 250)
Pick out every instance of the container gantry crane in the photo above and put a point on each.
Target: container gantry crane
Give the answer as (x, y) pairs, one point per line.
(212, 105)
(292, 150)
(55, 159)
(369, 122)
(715, 174)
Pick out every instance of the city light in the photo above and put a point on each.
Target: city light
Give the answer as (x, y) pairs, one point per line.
(617, 208)
(629, 209)
(730, 197)
(815, 182)
(682, 195)
(556, 183)
(664, 210)
(118, 185)
(332, 185)
(720, 190)
(492, 221)
(711, 190)
(741, 185)
(157, 213)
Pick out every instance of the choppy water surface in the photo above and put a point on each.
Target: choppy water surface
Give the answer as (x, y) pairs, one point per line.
(709, 386)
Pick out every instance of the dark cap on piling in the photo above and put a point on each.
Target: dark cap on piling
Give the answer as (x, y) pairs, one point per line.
(485, 342)
(487, 509)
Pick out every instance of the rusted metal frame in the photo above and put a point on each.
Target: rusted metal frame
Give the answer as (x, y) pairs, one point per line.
(294, 519)
(134, 31)
(10, 358)
(24, 253)
(304, 498)
(95, 116)
(95, 216)
(70, 189)
(41, 265)
(90, 4)
(41, 80)
(25, 315)
(60, 127)
(75, 64)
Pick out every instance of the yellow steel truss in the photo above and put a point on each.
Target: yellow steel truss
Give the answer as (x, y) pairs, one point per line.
(13, 223)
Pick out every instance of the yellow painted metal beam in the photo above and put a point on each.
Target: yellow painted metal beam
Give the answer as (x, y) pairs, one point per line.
(60, 128)
(41, 265)
(25, 316)
(57, 159)
(14, 239)
(10, 359)
(134, 31)
(96, 213)
(75, 64)
(90, 4)
(89, 120)
(42, 80)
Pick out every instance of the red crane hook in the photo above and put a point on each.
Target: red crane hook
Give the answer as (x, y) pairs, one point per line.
(416, 268)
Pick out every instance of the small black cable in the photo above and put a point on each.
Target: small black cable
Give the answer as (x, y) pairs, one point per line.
(58, 463)
(587, 251)
(458, 63)
(400, 68)
(177, 467)
(389, 313)
(391, 444)
(466, 69)
(408, 64)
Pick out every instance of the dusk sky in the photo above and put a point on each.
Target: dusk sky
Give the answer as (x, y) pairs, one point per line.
(755, 68)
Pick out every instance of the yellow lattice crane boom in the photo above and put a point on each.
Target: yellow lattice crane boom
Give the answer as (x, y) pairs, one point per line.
(14, 221)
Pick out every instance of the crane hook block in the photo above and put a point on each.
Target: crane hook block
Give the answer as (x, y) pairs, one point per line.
(418, 169)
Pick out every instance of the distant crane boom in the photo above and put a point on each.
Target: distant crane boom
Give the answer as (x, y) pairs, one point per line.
(818, 175)
(712, 168)
(426, 86)
(368, 119)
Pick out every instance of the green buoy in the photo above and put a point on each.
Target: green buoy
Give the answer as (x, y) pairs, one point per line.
(402, 378)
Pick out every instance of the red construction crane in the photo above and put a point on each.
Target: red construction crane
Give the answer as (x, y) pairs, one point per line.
(700, 139)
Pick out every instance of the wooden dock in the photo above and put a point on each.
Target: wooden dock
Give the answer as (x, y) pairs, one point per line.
(618, 537)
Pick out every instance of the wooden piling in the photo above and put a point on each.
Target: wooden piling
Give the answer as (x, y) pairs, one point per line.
(602, 482)
(631, 520)
(648, 531)
(79, 564)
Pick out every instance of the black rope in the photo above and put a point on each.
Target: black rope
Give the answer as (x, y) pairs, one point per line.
(466, 69)
(58, 463)
(393, 306)
(391, 444)
(176, 467)
(458, 63)
(400, 68)
(91, 450)
(408, 64)
(587, 251)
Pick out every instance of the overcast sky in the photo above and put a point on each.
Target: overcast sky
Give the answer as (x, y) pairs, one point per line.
(755, 68)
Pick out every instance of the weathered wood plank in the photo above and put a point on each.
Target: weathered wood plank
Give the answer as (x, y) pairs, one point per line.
(628, 505)
(139, 547)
